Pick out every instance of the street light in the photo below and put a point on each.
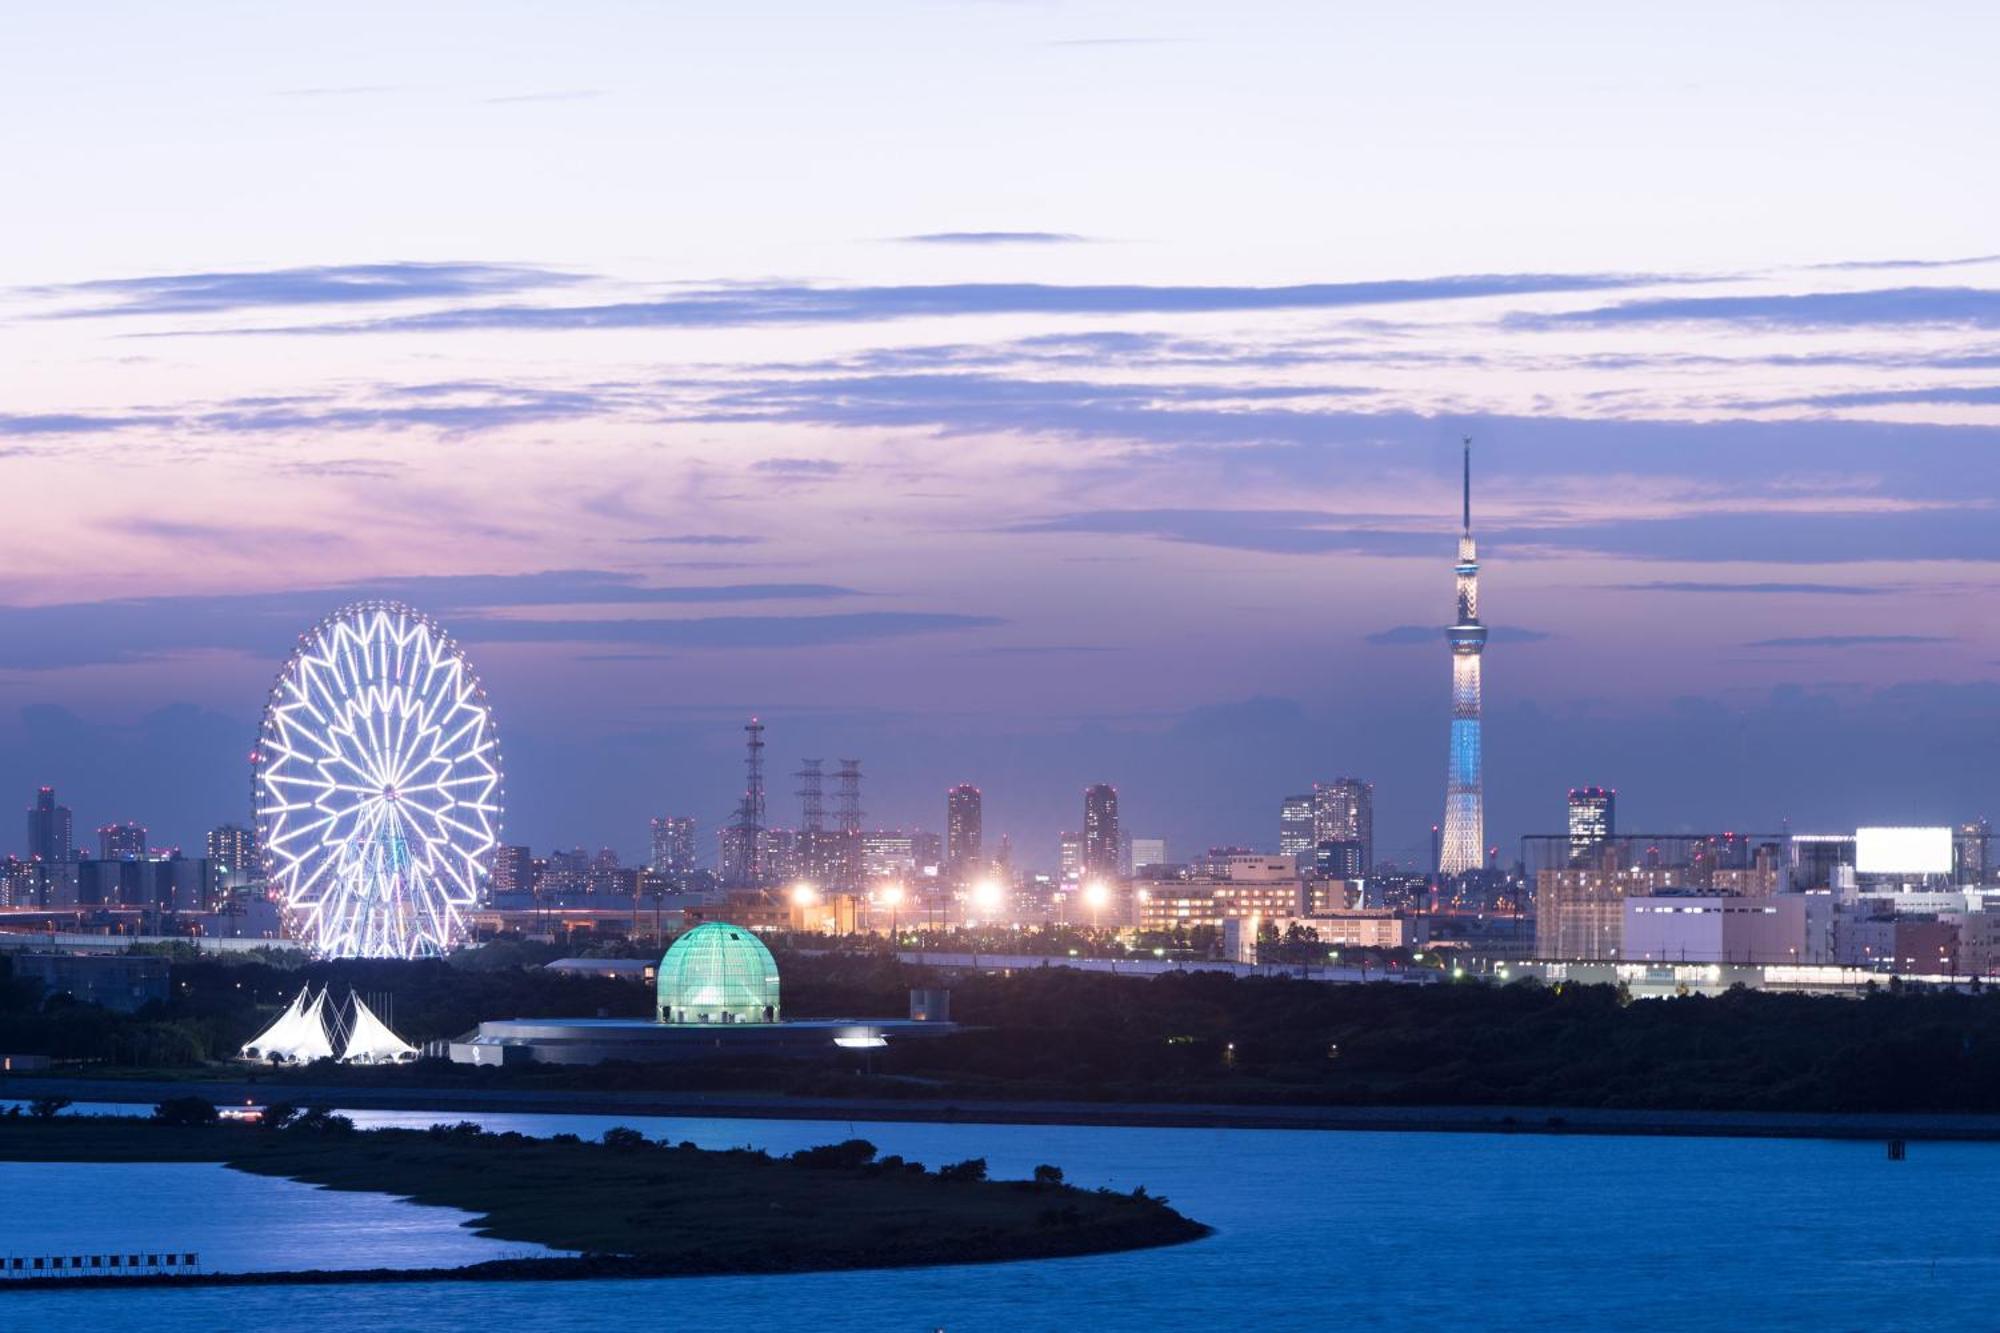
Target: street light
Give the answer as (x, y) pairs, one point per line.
(988, 897)
(1095, 895)
(892, 898)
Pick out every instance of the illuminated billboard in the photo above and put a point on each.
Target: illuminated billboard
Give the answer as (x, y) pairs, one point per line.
(1902, 851)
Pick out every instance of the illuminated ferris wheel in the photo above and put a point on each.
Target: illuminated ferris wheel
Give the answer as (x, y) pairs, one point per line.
(377, 786)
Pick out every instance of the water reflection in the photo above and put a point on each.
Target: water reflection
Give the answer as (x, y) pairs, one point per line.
(236, 1222)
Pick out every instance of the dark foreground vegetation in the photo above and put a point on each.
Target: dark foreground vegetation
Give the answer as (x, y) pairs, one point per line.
(629, 1206)
(1059, 1034)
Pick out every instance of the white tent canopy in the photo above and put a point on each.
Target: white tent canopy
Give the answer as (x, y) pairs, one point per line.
(369, 1040)
(299, 1035)
(306, 1032)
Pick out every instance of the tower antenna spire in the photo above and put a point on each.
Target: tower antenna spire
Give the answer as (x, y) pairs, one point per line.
(1468, 483)
(1463, 845)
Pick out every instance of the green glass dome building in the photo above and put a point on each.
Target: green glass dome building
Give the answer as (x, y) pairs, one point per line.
(718, 973)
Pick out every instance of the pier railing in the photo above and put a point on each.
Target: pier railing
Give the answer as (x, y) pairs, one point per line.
(137, 1263)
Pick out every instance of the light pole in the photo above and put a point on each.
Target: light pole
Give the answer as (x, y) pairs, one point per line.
(1095, 896)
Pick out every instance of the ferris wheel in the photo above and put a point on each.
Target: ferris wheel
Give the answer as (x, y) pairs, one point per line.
(377, 786)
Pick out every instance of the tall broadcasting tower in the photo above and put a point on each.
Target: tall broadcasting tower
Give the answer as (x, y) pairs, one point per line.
(1464, 845)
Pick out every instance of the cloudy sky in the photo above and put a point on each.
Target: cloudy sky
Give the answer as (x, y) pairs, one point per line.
(1021, 393)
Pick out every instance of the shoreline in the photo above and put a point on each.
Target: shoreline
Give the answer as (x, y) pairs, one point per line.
(1864, 1125)
(622, 1207)
(588, 1268)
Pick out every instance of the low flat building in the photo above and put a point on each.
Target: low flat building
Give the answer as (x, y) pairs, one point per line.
(124, 982)
(1925, 946)
(716, 997)
(1715, 928)
(592, 1041)
(1190, 904)
(1369, 928)
(1251, 884)
(642, 970)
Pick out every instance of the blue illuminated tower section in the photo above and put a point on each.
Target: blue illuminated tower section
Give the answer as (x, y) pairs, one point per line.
(1463, 846)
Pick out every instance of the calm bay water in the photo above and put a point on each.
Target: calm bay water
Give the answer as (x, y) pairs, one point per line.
(1315, 1229)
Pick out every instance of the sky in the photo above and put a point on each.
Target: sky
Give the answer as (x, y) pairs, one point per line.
(1027, 394)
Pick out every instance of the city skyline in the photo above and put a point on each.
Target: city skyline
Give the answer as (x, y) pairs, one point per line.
(1121, 450)
(757, 658)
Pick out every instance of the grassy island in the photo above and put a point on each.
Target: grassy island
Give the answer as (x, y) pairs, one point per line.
(632, 1207)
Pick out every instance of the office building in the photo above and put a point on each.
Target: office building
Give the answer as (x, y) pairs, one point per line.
(964, 830)
(1340, 858)
(1100, 830)
(1344, 811)
(1296, 835)
(1593, 818)
(888, 854)
(1464, 842)
(1148, 853)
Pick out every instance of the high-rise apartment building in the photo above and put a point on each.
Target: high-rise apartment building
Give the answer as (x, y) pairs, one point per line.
(1101, 845)
(1295, 826)
(1344, 811)
(513, 870)
(1464, 842)
(964, 830)
(1593, 818)
(122, 842)
(49, 837)
(233, 849)
(785, 855)
(673, 846)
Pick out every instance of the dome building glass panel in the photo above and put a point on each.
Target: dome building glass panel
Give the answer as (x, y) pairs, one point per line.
(718, 973)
